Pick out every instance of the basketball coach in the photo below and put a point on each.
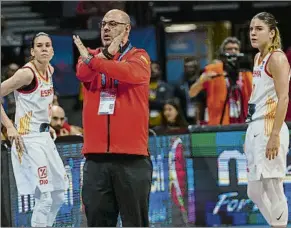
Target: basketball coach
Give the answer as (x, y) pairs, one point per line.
(118, 170)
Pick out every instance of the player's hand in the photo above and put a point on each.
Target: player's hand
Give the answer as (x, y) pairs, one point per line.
(273, 145)
(13, 135)
(82, 49)
(53, 133)
(114, 46)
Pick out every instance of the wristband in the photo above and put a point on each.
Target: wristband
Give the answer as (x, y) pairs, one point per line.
(107, 54)
(88, 59)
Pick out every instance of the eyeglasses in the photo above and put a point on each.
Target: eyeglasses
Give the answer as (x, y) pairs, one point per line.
(111, 24)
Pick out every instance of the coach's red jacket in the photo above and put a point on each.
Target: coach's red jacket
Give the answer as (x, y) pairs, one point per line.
(126, 131)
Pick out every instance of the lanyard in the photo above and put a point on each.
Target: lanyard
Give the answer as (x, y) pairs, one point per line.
(103, 77)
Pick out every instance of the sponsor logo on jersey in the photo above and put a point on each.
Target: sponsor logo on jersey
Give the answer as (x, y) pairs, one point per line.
(42, 174)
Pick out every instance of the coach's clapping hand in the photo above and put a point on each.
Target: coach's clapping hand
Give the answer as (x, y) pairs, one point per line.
(115, 44)
(112, 49)
(13, 135)
(82, 49)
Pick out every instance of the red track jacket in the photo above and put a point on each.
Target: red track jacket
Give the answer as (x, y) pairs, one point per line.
(126, 131)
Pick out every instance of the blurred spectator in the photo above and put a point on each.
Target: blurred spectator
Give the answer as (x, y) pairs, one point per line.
(8, 38)
(11, 69)
(172, 116)
(98, 8)
(10, 45)
(93, 11)
(59, 124)
(227, 86)
(160, 91)
(88, 7)
(27, 56)
(9, 100)
(193, 108)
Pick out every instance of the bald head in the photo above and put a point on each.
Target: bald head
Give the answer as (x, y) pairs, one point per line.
(58, 117)
(119, 15)
(58, 109)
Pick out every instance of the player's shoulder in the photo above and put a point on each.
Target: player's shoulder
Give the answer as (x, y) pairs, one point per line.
(277, 55)
(26, 70)
(277, 59)
(24, 74)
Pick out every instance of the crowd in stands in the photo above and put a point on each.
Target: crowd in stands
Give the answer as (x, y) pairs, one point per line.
(202, 97)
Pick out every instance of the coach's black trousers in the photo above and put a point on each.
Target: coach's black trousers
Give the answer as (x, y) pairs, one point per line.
(117, 183)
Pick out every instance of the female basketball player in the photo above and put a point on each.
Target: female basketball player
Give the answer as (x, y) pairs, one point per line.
(38, 169)
(267, 137)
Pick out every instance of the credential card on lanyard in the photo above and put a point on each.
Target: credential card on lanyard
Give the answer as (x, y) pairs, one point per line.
(107, 102)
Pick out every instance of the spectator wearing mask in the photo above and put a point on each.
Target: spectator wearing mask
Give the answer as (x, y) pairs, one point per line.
(160, 91)
(193, 108)
(173, 117)
(227, 92)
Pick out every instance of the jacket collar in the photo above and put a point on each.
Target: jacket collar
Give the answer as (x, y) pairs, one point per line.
(123, 48)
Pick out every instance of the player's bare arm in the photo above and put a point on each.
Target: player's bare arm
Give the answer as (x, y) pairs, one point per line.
(279, 68)
(22, 77)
